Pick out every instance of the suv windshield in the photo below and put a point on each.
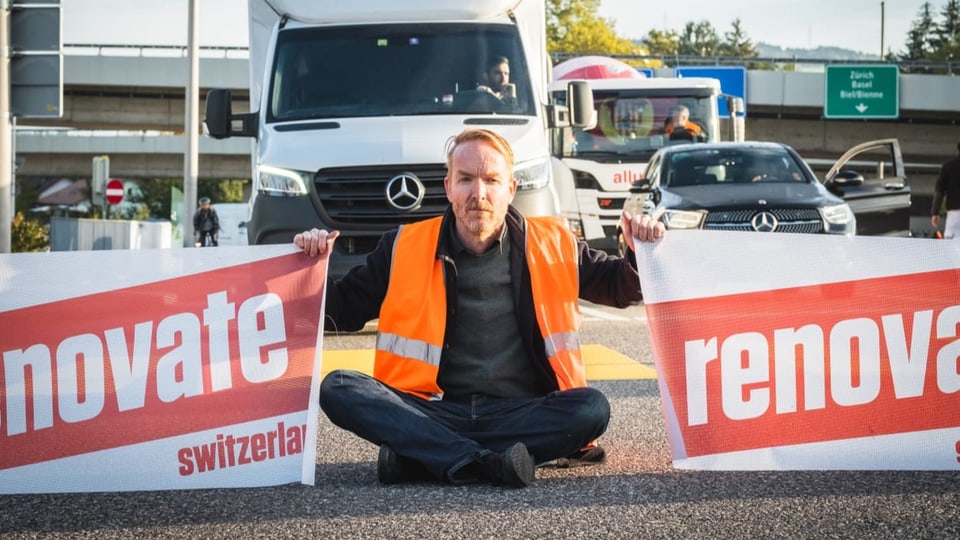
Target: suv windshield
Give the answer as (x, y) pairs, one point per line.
(636, 124)
(391, 70)
(709, 166)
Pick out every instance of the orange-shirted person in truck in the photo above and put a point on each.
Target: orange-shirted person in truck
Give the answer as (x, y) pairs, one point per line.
(679, 126)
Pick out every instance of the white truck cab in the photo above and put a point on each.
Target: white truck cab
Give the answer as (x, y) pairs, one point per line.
(352, 105)
(631, 124)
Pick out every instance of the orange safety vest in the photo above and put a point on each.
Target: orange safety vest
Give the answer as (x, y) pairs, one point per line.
(413, 315)
(691, 128)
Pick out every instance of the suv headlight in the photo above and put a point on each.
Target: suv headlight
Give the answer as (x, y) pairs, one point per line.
(277, 182)
(532, 174)
(682, 219)
(839, 219)
(838, 214)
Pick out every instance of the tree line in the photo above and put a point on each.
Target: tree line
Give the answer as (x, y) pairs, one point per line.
(574, 27)
(931, 38)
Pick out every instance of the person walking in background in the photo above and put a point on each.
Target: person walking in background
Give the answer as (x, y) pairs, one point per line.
(206, 225)
(478, 374)
(947, 190)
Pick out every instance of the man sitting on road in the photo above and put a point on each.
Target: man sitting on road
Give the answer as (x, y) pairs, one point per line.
(478, 374)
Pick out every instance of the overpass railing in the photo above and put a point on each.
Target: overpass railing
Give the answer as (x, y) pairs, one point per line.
(154, 51)
(779, 63)
(667, 61)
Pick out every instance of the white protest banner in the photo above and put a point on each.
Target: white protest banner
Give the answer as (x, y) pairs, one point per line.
(779, 351)
(159, 369)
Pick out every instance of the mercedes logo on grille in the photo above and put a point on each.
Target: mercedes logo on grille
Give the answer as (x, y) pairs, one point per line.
(764, 222)
(405, 192)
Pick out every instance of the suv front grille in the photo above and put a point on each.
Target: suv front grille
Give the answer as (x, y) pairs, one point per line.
(356, 196)
(789, 220)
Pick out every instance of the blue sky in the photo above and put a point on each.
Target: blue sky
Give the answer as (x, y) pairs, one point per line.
(851, 24)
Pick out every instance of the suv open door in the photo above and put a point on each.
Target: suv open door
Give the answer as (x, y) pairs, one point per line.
(871, 178)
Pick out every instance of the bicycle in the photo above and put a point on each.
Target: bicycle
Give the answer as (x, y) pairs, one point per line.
(206, 239)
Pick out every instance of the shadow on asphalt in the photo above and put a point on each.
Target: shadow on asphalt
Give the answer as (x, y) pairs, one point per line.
(351, 491)
(636, 479)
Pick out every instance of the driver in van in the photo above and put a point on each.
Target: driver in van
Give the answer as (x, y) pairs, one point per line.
(679, 126)
(497, 76)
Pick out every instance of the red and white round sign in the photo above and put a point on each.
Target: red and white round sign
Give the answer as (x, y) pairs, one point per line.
(114, 191)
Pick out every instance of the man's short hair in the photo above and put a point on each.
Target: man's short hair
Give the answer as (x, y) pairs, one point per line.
(496, 61)
(492, 138)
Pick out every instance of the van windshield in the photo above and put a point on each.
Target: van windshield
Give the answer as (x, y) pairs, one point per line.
(392, 70)
(636, 123)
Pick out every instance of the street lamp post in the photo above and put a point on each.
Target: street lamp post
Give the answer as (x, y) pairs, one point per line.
(882, 24)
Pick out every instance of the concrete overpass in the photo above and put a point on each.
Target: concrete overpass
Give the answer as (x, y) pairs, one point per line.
(128, 103)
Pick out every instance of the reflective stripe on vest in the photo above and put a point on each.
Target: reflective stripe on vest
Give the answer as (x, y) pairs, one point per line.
(410, 331)
(554, 278)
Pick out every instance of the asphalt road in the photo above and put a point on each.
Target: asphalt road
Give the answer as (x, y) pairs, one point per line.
(635, 494)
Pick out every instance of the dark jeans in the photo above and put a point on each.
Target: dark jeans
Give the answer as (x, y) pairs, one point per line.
(207, 239)
(446, 435)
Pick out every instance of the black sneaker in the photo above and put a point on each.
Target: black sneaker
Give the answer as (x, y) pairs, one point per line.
(394, 469)
(514, 467)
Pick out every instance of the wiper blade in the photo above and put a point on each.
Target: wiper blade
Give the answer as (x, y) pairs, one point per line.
(641, 153)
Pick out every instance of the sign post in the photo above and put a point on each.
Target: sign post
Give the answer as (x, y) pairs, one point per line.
(861, 91)
(31, 85)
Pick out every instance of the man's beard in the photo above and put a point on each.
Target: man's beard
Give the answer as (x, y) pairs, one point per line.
(478, 223)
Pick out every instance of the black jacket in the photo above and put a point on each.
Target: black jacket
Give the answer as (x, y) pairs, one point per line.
(355, 299)
(947, 186)
(206, 220)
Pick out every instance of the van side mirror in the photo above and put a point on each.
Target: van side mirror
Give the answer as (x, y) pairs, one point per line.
(580, 100)
(221, 123)
(735, 106)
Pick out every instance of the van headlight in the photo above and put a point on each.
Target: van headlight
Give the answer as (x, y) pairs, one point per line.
(277, 182)
(532, 174)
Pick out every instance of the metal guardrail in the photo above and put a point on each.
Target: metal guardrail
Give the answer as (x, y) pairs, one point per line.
(156, 51)
(779, 63)
(667, 61)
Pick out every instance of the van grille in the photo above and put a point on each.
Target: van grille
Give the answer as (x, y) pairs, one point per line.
(356, 196)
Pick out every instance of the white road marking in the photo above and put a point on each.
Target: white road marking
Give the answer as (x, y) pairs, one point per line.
(594, 314)
(591, 312)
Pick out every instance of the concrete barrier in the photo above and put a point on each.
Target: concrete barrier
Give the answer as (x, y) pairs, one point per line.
(72, 234)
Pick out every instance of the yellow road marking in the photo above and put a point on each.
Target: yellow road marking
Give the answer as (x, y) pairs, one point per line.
(603, 363)
(606, 364)
(357, 360)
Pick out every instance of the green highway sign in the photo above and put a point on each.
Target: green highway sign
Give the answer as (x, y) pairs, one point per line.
(861, 91)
